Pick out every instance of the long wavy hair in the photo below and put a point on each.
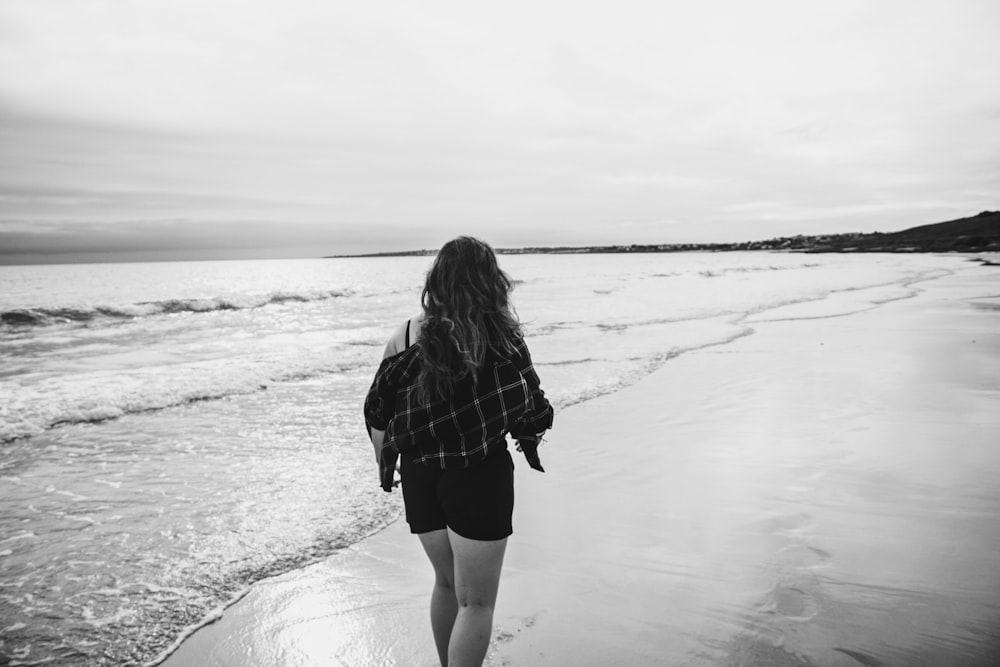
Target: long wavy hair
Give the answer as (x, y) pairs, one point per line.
(467, 314)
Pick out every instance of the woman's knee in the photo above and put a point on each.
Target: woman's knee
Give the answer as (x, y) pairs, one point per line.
(477, 570)
(481, 599)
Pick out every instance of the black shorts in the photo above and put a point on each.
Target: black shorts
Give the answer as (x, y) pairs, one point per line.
(476, 502)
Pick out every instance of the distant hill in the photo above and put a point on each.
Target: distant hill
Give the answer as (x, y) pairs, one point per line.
(979, 233)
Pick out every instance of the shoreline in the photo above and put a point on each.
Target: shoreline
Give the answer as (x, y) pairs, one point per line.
(978, 233)
(971, 253)
(683, 519)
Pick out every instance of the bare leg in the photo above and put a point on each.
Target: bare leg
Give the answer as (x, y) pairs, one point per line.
(444, 605)
(477, 577)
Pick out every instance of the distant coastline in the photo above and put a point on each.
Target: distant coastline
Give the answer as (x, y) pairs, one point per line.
(978, 233)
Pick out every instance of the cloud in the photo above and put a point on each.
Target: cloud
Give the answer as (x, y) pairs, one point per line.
(527, 123)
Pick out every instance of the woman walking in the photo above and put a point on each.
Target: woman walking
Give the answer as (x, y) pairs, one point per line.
(454, 382)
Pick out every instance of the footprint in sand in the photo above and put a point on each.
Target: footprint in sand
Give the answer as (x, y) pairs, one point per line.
(794, 603)
(820, 553)
(863, 658)
(789, 524)
(504, 636)
(799, 554)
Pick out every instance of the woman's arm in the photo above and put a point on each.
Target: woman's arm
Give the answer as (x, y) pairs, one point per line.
(538, 418)
(396, 344)
(377, 437)
(397, 341)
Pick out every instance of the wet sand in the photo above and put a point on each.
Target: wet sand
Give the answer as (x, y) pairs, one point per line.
(821, 492)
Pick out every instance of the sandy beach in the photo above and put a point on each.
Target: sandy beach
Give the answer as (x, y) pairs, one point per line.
(822, 491)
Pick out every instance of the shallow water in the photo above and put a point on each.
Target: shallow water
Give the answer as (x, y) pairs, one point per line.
(175, 432)
(817, 494)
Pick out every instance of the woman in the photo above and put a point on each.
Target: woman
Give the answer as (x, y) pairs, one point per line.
(444, 405)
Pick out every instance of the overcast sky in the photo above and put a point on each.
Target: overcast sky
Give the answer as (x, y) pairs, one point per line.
(274, 128)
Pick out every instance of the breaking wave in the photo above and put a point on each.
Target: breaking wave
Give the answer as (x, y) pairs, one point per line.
(100, 397)
(48, 316)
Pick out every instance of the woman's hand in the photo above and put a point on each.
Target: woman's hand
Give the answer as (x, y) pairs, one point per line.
(529, 446)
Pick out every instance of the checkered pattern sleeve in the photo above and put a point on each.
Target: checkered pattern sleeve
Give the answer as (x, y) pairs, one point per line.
(538, 416)
(379, 401)
(393, 373)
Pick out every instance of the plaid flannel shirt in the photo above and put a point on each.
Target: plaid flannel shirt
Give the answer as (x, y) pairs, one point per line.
(507, 398)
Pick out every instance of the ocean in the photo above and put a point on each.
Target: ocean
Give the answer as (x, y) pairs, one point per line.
(171, 433)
